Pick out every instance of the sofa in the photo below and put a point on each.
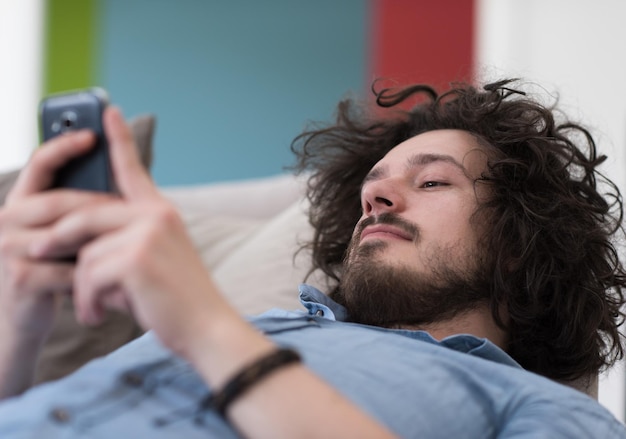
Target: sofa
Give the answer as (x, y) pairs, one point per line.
(249, 234)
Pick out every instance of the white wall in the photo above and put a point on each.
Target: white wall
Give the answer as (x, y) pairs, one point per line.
(575, 48)
(21, 30)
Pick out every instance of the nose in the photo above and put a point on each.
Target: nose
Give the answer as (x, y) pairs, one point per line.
(381, 196)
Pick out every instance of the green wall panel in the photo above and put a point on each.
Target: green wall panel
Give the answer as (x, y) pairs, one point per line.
(70, 46)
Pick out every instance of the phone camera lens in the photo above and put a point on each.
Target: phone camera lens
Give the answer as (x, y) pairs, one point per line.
(68, 120)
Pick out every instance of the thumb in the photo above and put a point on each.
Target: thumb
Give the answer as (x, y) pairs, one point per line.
(130, 175)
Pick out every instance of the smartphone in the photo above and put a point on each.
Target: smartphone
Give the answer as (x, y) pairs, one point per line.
(75, 110)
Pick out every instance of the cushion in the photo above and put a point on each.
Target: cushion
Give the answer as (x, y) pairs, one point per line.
(263, 272)
(216, 237)
(248, 232)
(260, 198)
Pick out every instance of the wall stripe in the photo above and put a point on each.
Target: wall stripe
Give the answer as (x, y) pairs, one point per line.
(70, 45)
(422, 40)
(21, 40)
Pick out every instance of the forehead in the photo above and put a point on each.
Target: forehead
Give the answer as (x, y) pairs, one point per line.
(460, 146)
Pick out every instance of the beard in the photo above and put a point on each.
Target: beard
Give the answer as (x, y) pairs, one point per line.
(378, 293)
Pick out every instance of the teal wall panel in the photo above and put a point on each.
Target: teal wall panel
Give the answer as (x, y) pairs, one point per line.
(231, 82)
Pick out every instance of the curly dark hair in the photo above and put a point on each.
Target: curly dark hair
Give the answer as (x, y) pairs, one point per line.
(553, 215)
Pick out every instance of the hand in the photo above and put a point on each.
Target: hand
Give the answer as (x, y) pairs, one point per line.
(29, 288)
(135, 254)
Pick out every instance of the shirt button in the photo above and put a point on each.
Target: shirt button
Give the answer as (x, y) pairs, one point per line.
(133, 379)
(319, 313)
(60, 415)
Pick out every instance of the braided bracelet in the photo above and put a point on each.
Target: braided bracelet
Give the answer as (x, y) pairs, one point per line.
(248, 377)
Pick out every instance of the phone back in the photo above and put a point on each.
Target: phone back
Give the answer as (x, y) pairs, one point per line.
(74, 111)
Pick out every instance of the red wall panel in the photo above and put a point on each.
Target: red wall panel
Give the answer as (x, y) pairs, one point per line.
(427, 41)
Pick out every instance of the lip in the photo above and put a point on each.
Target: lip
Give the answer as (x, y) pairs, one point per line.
(384, 231)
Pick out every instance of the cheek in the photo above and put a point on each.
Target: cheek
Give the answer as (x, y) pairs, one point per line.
(448, 224)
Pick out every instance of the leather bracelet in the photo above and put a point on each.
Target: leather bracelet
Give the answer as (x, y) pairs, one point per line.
(248, 377)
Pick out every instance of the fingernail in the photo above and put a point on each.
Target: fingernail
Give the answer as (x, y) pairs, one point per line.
(84, 134)
(117, 111)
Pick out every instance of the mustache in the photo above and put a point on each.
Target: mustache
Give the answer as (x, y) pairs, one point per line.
(390, 219)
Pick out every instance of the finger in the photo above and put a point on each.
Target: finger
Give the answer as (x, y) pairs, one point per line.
(114, 300)
(18, 242)
(46, 207)
(87, 311)
(79, 227)
(130, 175)
(117, 300)
(94, 313)
(28, 277)
(98, 280)
(39, 173)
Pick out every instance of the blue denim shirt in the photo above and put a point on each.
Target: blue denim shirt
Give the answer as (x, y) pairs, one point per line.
(459, 387)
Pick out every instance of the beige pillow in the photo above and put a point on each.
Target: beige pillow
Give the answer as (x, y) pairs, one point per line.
(247, 233)
(216, 237)
(264, 271)
(262, 197)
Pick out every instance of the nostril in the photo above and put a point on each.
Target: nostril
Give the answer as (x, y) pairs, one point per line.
(385, 201)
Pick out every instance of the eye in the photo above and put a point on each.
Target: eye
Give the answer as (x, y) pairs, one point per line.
(430, 184)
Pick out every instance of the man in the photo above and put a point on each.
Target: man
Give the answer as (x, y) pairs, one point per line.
(482, 231)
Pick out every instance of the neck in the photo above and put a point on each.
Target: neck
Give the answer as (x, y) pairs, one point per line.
(477, 322)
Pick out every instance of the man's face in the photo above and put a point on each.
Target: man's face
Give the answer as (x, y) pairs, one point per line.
(415, 255)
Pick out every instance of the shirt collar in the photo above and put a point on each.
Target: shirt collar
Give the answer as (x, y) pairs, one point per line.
(319, 304)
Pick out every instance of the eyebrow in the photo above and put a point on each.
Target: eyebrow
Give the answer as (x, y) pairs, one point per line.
(414, 161)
